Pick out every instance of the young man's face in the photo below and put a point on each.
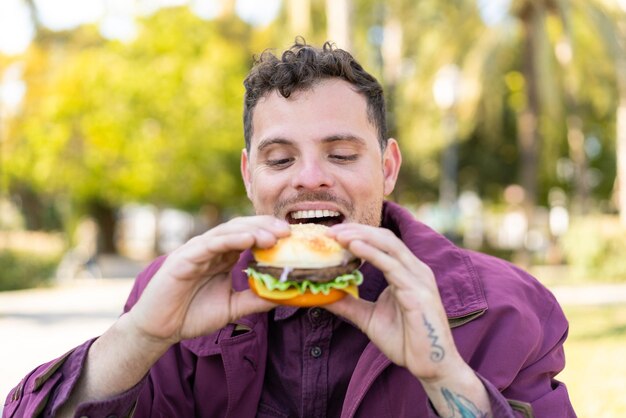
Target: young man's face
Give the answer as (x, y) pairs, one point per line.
(315, 157)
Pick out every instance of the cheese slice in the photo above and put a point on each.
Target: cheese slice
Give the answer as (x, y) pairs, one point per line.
(264, 292)
(352, 290)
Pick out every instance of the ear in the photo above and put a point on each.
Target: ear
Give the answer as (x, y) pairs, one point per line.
(245, 172)
(392, 160)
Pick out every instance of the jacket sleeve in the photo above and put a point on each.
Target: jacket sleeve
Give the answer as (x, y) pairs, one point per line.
(44, 390)
(500, 406)
(516, 346)
(535, 391)
(532, 390)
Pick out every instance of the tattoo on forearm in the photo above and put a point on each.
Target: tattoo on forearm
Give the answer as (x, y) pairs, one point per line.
(460, 406)
(437, 352)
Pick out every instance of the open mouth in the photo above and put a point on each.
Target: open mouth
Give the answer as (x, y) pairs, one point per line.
(317, 216)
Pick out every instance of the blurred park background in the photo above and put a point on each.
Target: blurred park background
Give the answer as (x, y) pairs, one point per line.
(121, 131)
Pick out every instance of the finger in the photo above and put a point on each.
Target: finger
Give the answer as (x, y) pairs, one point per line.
(246, 302)
(203, 249)
(194, 259)
(381, 238)
(274, 225)
(357, 311)
(397, 273)
(266, 230)
(409, 273)
(235, 237)
(383, 249)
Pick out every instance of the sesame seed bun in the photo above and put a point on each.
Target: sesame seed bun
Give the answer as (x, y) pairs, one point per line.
(307, 247)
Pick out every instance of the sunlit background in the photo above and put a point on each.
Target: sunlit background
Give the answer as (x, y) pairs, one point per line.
(121, 130)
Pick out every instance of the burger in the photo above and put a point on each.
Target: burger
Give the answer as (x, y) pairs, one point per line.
(306, 268)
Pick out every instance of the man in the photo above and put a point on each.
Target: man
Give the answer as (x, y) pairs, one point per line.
(438, 331)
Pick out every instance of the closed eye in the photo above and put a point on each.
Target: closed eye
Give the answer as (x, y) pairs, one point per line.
(279, 163)
(344, 158)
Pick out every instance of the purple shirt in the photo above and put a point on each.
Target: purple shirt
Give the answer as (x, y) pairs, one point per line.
(311, 357)
(506, 326)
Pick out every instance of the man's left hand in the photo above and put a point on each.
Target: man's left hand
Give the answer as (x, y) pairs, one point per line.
(408, 322)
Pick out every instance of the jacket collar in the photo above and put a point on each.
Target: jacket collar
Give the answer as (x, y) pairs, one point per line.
(460, 287)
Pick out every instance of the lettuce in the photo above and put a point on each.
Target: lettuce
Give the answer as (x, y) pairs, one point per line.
(340, 282)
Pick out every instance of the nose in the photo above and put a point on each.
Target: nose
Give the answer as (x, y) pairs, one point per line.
(311, 174)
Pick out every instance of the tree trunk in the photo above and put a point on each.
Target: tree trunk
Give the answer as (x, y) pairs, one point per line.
(227, 9)
(576, 143)
(299, 17)
(621, 127)
(528, 120)
(575, 133)
(338, 23)
(621, 159)
(105, 217)
(31, 207)
(391, 54)
(34, 15)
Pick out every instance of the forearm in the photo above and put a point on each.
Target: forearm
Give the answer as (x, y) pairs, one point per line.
(116, 362)
(460, 395)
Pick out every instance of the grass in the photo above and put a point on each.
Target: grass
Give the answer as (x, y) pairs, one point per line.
(595, 369)
(24, 270)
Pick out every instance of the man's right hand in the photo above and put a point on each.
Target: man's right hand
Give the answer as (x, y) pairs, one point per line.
(191, 294)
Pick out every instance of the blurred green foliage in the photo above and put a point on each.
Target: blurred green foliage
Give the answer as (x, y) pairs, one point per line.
(158, 119)
(594, 247)
(24, 270)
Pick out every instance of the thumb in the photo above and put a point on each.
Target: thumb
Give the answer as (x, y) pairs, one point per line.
(246, 302)
(357, 311)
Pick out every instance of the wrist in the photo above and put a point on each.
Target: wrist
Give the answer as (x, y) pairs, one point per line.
(452, 369)
(116, 362)
(147, 343)
(456, 390)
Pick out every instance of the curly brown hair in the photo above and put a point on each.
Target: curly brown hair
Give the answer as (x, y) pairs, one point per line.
(302, 66)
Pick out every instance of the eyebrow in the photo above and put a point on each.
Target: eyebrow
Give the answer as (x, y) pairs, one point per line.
(265, 143)
(344, 137)
(273, 141)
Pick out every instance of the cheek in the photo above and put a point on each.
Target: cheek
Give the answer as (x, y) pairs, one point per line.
(266, 188)
(362, 185)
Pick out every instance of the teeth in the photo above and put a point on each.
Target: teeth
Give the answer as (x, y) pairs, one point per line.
(318, 213)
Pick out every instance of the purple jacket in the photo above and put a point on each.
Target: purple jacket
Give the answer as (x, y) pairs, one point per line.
(506, 325)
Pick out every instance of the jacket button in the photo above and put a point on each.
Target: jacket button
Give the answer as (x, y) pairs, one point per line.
(316, 352)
